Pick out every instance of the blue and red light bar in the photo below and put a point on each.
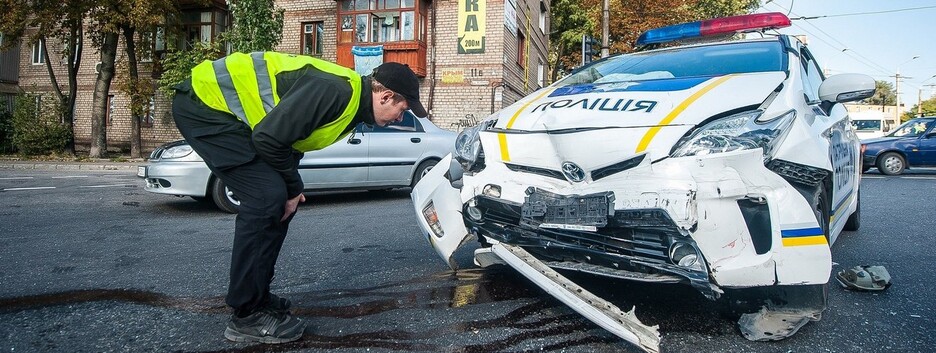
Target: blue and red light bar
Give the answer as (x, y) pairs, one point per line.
(714, 27)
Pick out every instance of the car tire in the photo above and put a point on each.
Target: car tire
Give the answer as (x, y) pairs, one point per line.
(854, 221)
(421, 171)
(891, 163)
(223, 197)
(821, 208)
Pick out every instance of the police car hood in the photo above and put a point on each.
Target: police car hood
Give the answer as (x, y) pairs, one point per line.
(662, 102)
(601, 124)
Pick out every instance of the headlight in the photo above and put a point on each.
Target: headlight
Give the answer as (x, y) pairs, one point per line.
(747, 130)
(468, 146)
(180, 151)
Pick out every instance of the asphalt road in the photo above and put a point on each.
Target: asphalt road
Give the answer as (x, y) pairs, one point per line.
(89, 262)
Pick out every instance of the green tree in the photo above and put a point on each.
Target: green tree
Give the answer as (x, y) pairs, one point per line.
(140, 21)
(628, 19)
(570, 21)
(883, 94)
(925, 108)
(177, 64)
(61, 21)
(257, 25)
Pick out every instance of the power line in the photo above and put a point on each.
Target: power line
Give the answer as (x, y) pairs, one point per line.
(862, 13)
(841, 46)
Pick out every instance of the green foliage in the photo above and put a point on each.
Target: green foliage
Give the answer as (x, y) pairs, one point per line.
(6, 129)
(883, 94)
(928, 109)
(258, 25)
(177, 65)
(706, 9)
(37, 128)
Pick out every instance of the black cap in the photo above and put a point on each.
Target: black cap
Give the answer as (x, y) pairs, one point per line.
(400, 79)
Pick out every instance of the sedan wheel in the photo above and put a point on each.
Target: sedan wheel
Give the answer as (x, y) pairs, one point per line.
(223, 197)
(422, 170)
(891, 163)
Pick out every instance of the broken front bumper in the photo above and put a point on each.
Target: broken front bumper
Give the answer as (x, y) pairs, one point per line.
(716, 221)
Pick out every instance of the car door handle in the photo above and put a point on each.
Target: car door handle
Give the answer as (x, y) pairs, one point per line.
(415, 140)
(354, 141)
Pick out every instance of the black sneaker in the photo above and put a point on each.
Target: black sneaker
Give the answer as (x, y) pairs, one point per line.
(278, 303)
(265, 326)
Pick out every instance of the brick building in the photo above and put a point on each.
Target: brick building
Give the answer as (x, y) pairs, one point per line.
(473, 56)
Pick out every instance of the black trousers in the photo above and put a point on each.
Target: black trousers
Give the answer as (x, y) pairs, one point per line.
(224, 143)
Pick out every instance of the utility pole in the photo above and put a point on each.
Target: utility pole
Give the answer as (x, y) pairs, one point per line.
(605, 14)
(897, 88)
(897, 78)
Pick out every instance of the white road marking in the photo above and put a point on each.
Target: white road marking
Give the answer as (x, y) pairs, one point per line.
(69, 176)
(16, 178)
(33, 188)
(917, 177)
(104, 186)
(873, 177)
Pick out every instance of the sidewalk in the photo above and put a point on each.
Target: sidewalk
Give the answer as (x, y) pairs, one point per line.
(91, 164)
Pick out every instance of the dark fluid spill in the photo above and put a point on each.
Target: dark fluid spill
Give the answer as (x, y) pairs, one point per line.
(675, 308)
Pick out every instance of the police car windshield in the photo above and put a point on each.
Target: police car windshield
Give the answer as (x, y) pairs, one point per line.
(708, 60)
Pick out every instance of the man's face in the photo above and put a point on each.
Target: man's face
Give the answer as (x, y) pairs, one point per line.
(386, 110)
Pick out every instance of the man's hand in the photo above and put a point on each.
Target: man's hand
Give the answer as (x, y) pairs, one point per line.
(291, 206)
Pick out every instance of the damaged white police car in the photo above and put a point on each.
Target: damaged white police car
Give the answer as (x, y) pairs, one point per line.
(727, 164)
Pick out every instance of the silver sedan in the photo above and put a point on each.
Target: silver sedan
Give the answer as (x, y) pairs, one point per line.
(372, 158)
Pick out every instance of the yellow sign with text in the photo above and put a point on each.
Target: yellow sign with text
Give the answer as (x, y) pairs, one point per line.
(471, 26)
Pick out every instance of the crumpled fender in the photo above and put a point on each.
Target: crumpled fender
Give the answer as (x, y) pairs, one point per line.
(434, 191)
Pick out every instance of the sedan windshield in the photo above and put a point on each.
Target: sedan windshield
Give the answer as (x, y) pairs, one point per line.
(709, 60)
(912, 128)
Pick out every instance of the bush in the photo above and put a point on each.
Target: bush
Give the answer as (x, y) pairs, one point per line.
(37, 125)
(6, 129)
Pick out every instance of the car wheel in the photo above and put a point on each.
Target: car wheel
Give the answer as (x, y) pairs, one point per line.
(891, 163)
(422, 170)
(854, 221)
(223, 197)
(821, 209)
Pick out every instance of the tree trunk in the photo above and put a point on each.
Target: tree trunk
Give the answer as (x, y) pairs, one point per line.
(76, 44)
(136, 101)
(101, 91)
(558, 64)
(63, 100)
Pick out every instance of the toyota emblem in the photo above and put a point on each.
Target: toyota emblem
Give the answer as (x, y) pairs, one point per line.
(573, 172)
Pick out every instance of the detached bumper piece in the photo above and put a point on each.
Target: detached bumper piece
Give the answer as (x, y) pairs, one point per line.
(584, 233)
(622, 324)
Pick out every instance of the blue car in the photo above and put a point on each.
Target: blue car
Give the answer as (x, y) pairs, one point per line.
(912, 144)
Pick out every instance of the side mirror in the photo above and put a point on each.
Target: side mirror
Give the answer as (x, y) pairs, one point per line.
(846, 88)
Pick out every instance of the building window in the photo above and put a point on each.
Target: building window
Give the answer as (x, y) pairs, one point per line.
(379, 21)
(542, 17)
(312, 38)
(541, 75)
(37, 57)
(109, 113)
(521, 49)
(200, 26)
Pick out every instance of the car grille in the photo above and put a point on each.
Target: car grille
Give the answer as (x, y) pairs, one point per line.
(534, 170)
(643, 235)
(617, 167)
(797, 173)
(595, 174)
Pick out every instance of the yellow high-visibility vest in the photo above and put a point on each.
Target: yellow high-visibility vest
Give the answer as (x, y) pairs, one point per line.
(244, 85)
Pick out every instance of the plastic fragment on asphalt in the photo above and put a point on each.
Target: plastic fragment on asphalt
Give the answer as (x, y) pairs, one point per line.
(625, 325)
